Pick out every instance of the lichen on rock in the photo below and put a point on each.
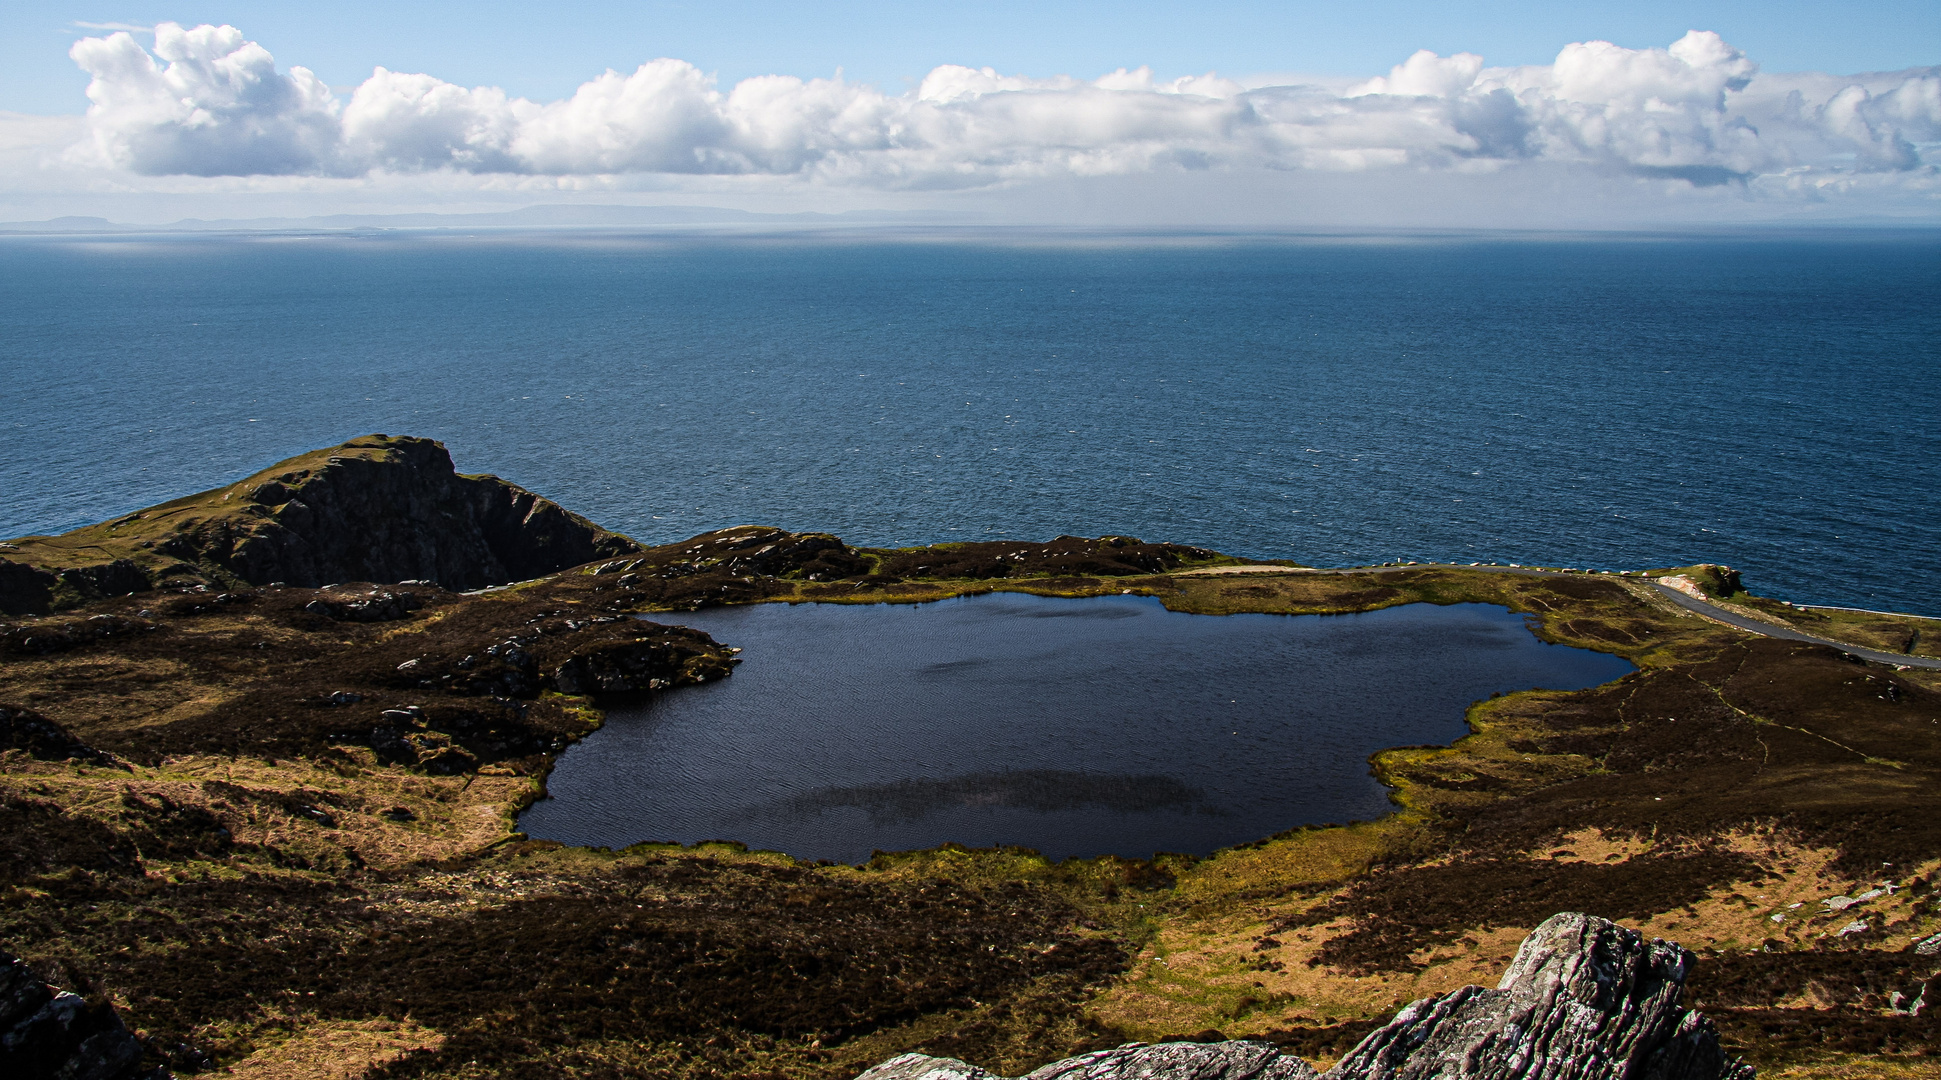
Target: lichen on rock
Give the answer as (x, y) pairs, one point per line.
(1585, 999)
(1233, 1060)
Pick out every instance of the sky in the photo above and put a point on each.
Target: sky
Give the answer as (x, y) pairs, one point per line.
(1248, 113)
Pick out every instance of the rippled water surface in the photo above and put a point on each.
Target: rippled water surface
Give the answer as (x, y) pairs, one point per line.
(1767, 401)
(1076, 727)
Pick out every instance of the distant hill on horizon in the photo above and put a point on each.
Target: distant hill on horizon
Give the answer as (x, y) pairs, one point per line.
(545, 215)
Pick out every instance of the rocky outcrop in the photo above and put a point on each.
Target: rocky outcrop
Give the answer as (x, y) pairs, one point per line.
(1235, 1060)
(400, 514)
(24, 729)
(24, 589)
(45, 637)
(377, 509)
(52, 1033)
(1585, 999)
(365, 605)
(27, 589)
(644, 663)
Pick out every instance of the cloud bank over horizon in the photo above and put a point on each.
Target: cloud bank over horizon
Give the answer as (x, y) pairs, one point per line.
(208, 102)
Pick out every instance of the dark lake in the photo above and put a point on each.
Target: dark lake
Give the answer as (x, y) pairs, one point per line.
(1075, 727)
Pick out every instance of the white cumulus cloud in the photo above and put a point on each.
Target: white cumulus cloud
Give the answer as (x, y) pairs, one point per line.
(208, 102)
(214, 105)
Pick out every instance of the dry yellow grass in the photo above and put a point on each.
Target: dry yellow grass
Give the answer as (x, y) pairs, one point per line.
(336, 1050)
(453, 815)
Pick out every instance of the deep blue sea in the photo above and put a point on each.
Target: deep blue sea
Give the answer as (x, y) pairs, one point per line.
(1768, 401)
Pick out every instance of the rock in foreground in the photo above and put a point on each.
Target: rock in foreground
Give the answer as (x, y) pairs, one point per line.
(1585, 999)
(1235, 1060)
(49, 1032)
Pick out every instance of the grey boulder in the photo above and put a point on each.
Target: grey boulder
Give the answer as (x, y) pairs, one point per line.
(1585, 999)
(1168, 1061)
(49, 1032)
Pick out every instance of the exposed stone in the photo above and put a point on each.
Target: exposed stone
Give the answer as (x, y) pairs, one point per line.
(24, 729)
(925, 1067)
(24, 589)
(405, 514)
(43, 638)
(1585, 999)
(376, 509)
(377, 605)
(642, 664)
(117, 578)
(49, 1032)
(1236, 1060)
(27, 589)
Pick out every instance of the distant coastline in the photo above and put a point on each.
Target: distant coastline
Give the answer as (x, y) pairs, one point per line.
(542, 216)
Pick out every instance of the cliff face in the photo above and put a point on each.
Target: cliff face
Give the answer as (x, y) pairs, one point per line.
(377, 509)
(397, 512)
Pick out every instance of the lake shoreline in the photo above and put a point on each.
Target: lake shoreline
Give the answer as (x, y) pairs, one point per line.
(209, 777)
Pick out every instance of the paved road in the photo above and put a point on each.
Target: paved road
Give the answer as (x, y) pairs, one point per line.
(1757, 626)
(1710, 611)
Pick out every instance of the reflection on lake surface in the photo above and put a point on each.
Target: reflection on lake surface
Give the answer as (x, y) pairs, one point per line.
(1076, 727)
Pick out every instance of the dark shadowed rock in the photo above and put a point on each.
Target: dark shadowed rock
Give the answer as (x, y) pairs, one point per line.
(46, 637)
(376, 509)
(50, 1033)
(24, 589)
(371, 605)
(24, 729)
(1585, 999)
(643, 663)
(400, 513)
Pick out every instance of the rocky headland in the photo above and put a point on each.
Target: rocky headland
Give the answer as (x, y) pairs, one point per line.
(261, 751)
(374, 509)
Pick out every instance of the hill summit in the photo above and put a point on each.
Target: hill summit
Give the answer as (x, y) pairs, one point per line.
(378, 508)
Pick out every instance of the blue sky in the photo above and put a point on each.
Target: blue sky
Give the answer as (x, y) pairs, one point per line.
(543, 51)
(1404, 112)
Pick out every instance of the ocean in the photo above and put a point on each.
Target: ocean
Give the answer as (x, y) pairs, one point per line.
(1771, 401)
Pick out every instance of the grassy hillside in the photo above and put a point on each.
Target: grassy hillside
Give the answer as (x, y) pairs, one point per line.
(275, 826)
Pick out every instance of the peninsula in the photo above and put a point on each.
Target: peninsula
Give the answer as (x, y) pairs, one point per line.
(263, 748)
